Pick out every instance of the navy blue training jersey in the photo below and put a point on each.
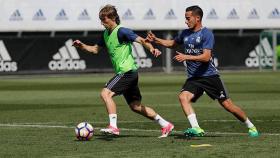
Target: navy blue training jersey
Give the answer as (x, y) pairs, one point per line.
(194, 43)
(125, 35)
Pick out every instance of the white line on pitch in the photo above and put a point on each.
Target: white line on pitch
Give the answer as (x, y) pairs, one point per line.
(105, 122)
(124, 129)
(34, 125)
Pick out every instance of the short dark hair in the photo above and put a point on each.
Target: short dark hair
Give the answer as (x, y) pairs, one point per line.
(109, 11)
(196, 10)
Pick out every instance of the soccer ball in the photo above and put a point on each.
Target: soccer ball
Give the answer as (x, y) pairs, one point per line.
(84, 131)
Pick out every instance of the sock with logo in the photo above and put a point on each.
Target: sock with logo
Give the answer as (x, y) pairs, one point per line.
(162, 122)
(113, 120)
(248, 123)
(193, 121)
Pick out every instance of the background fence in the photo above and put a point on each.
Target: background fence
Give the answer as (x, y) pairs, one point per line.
(36, 37)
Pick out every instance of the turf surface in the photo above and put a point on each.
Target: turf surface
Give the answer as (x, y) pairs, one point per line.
(38, 116)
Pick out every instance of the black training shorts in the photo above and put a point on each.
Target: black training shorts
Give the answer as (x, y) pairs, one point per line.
(212, 85)
(127, 85)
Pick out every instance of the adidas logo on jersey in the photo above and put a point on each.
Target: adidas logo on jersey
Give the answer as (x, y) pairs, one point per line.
(6, 63)
(39, 15)
(67, 58)
(140, 56)
(262, 50)
(84, 15)
(16, 16)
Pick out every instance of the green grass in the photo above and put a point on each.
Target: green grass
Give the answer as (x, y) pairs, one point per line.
(38, 116)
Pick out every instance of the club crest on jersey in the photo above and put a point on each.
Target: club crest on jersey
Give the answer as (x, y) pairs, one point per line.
(198, 39)
(186, 39)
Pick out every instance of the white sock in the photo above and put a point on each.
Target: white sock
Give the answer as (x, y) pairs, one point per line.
(193, 120)
(162, 122)
(249, 123)
(113, 120)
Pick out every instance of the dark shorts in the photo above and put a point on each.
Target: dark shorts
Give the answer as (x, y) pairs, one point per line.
(213, 86)
(127, 85)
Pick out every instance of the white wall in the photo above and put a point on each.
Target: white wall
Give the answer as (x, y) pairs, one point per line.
(48, 15)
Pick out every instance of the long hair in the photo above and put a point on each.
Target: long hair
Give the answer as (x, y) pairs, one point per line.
(109, 11)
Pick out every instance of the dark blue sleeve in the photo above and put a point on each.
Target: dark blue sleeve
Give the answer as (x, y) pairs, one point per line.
(208, 40)
(101, 41)
(126, 35)
(179, 38)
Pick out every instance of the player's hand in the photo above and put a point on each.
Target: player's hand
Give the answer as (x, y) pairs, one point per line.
(180, 57)
(150, 37)
(77, 43)
(155, 52)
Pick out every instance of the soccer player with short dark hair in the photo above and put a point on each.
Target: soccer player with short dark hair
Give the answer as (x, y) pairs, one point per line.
(202, 74)
(118, 41)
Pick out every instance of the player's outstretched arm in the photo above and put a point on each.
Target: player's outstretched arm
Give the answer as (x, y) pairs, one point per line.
(151, 37)
(92, 49)
(148, 46)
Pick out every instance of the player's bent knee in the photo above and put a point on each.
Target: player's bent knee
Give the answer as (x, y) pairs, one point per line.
(105, 93)
(228, 105)
(185, 97)
(135, 106)
(182, 97)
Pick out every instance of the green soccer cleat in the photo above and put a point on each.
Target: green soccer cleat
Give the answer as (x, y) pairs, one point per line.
(194, 132)
(253, 132)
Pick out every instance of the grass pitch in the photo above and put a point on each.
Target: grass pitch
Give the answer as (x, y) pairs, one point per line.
(38, 116)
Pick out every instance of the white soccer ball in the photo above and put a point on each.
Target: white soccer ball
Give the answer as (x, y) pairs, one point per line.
(84, 131)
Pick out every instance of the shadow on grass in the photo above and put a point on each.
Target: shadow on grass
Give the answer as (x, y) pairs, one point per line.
(112, 137)
(183, 137)
(175, 137)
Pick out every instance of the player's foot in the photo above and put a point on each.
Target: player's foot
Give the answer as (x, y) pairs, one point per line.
(110, 130)
(194, 132)
(165, 131)
(253, 132)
